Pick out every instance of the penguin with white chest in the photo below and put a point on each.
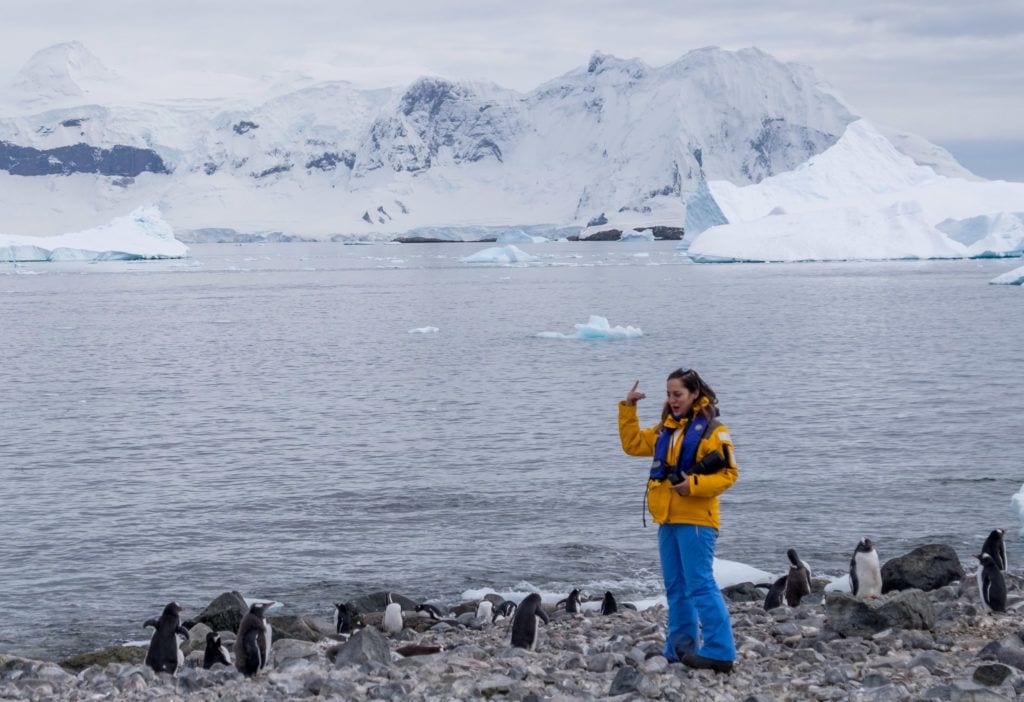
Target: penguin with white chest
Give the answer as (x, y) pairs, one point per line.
(865, 572)
(798, 579)
(996, 548)
(572, 602)
(253, 640)
(392, 622)
(484, 611)
(991, 584)
(524, 623)
(164, 654)
(215, 652)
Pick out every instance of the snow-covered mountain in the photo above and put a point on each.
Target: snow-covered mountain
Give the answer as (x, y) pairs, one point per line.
(614, 143)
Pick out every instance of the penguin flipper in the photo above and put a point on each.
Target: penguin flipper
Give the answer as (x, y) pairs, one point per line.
(854, 585)
(543, 615)
(183, 631)
(149, 622)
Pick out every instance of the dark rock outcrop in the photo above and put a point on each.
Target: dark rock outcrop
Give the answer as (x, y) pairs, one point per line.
(134, 655)
(224, 613)
(849, 616)
(79, 158)
(366, 647)
(925, 568)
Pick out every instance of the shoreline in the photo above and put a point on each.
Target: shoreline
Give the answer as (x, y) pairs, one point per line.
(784, 654)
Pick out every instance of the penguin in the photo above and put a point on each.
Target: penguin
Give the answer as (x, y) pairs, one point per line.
(253, 640)
(524, 623)
(484, 611)
(775, 593)
(392, 622)
(865, 573)
(430, 611)
(608, 604)
(798, 579)
(164, 654)
(991, 584)
(215, 651)
(343, 619)
(996, 548)
(572, 602)
(505, 610)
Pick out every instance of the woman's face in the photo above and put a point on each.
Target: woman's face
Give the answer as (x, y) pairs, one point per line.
(680, 400)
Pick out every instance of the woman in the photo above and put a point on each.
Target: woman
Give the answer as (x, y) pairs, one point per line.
(687, 476)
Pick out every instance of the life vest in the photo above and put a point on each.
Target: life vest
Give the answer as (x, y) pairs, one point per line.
(696, 428)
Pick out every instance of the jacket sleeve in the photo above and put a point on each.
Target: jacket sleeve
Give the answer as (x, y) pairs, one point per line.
(715, 484)
(635, 441)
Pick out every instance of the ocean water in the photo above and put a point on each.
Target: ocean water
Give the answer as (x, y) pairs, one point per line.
(260, 418)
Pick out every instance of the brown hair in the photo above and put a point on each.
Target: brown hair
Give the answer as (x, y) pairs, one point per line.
(692, 381)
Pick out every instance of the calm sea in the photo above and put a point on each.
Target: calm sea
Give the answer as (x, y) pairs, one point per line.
(260, 418)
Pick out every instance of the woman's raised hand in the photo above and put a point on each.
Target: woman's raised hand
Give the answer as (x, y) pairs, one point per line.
(634, 395)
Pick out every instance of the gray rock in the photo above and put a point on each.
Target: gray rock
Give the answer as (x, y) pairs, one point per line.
(293, 627)
(377, 602)
(1009, 651)
(604, 662)
(849, 616)
(285, 650)
(626, 681)
(925, 568)
(366, 647)
(875, 680)
(744, 592)
(495, 685)
(225, 612)
(992, 674)
(114, 654)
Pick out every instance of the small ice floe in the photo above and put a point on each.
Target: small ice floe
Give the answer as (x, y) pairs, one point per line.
(596, 329)
(1014, 277)
(500, 256)
(642, 254)
(424, 330)
(1018, 503)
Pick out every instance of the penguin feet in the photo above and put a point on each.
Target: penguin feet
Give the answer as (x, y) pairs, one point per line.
(693, 660)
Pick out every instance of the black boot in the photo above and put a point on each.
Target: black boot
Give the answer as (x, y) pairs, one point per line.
(692, 660)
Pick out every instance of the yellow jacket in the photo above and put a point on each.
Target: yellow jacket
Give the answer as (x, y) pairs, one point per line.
(666, 506)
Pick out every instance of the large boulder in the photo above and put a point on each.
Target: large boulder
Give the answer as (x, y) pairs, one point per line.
(849, 616)
(294, 627)
(135, 655)
(925, 568)
(377, 602)
(366, 647)
(224, 613)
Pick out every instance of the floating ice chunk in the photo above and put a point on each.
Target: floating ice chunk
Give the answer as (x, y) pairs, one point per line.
(518, 236)
(1018, 502)
(500, 255)
(140, 235)
(636, 235)
(423, 330)
(1014, 277)
(596, 329)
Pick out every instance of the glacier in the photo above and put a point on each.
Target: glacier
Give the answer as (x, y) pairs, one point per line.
(143, 234)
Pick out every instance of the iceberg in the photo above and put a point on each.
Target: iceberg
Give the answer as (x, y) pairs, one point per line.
(634, 235)
(1014, 277)
(143, 234)
(424, 330)
(859, 200)
(597, 328)
(500, 255)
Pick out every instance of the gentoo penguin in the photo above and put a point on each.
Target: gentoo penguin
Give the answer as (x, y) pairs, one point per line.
(484, 611)
(165, 655)
(430, 611)
(215, 651)
(253, 640)
(991, 584)
(392, 623)
(572, 602)
(504, 610)
(798, 579)
(775, 593)
(524, 623)
(865, 573)
(996, 547)
(342, 619)
(608, 604)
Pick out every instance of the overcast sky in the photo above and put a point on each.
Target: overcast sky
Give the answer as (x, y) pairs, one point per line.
(949, 70)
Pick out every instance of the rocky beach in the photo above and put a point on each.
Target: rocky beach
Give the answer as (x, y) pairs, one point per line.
(933, 642)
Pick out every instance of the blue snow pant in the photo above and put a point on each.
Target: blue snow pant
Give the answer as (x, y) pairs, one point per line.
(698, 620)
